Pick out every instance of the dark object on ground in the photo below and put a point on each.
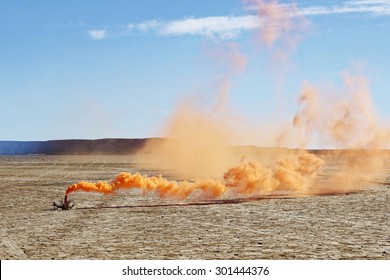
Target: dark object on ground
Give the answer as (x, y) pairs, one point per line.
(66, 205)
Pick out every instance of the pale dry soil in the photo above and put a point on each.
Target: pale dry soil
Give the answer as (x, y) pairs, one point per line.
(354, 226)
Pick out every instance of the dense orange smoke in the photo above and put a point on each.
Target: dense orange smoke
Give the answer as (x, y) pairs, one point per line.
(295, 175)
(157, 184)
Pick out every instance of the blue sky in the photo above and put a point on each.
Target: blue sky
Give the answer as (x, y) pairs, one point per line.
(99, 69)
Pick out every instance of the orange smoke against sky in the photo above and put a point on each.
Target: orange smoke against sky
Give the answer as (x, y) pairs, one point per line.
(202, 136)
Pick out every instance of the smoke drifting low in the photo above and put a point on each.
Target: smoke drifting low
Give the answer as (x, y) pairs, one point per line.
(249, 178)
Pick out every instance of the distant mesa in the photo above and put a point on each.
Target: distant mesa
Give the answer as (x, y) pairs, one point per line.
(74, 147)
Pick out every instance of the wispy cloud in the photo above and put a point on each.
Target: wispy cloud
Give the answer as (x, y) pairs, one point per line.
(228, 27)
(225, 27)
(219, 26)
(144, 26)
(97, 34)
(373, 7)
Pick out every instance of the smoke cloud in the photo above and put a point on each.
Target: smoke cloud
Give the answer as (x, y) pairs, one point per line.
(346, 120)
(200, 136)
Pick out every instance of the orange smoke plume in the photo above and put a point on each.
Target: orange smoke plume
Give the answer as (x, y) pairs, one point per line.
(157, 184)
(292, 174)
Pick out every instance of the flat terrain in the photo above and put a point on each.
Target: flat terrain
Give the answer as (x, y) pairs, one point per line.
(354, 226)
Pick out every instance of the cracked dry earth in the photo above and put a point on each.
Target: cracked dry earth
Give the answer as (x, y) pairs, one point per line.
(354, 226)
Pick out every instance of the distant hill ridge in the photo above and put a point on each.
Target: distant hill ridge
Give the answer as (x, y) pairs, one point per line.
(115, 146)
(73, 147)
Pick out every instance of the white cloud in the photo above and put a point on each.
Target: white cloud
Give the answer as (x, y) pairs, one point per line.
(219, 26)
(97, 34)
(227, 27)
(367, 2)
(375, 7)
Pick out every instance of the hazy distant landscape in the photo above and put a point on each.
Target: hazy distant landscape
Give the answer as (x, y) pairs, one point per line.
(69, 147)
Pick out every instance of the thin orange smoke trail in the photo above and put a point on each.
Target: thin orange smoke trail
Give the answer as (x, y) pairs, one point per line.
(279, 22)
(294, 174)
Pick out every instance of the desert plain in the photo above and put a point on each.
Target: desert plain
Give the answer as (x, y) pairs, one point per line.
(132, 225)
